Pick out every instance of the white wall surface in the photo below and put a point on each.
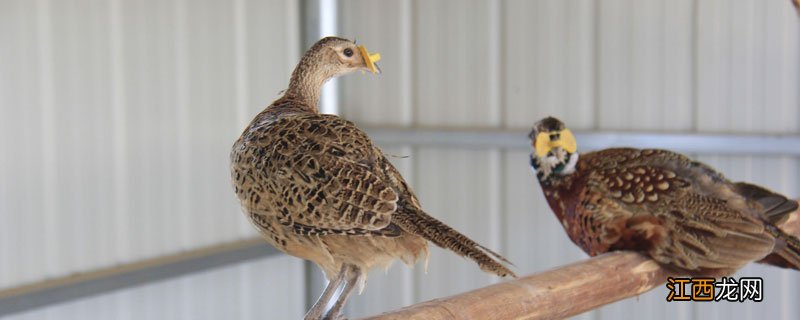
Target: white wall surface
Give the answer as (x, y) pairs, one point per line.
(656, 65)
(243, 291)
(116, 119)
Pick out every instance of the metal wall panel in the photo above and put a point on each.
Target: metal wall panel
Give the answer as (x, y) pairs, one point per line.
(20, 174)
(657, 65)
(548, 53)
(161, 89)
(456, 187)
(747, 62)
(384, 99)
(117, 120)
(454, 63)
(644, 64)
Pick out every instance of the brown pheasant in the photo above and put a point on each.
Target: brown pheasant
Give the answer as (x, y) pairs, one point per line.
(317, 188)
(680, 212)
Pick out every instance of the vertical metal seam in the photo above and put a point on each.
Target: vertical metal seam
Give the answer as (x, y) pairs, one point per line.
(495, 57)
(240, 72)
(596, 66)
(410, 294)
(791, 28)
(495, 220)
(120, 192)
(786, 57)
(45, 57)
(694, 81)
(182, 126)
(662, 65)
(785, 276)
(495, 154)
(407, 62)
(415, 174)
(328, 26)
(240, 59)
(729, 65)
(413, 76)
(293, 32)
(628, 75)
(409, 285)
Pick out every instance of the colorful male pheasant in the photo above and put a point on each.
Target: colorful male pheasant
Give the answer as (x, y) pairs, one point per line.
(680, 212)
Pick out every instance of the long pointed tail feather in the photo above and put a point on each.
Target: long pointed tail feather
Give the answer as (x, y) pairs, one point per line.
(787, 250)
(776, 208)
(442, 235)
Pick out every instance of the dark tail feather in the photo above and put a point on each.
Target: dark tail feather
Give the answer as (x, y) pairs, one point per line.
(787, 250)
(442, 235)
(776, 207)
(495, 255)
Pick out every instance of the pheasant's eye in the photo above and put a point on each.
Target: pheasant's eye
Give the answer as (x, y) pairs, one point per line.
(348, 52)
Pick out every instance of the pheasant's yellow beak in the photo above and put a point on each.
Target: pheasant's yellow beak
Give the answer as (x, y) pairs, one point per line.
(563, 139)
(370, 59)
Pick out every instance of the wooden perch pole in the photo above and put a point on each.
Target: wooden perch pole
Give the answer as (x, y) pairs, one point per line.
(555, 294)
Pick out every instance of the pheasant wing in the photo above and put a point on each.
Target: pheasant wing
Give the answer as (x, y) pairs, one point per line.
(677, 211)
(322, 178)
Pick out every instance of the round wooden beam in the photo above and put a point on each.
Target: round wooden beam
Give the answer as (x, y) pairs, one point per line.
(559, 293)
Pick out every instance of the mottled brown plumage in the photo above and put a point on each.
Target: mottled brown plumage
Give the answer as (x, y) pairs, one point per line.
(680, 212)
(317, 188)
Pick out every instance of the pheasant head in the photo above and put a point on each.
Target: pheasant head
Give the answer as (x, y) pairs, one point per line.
(554, 149)
(328, 58)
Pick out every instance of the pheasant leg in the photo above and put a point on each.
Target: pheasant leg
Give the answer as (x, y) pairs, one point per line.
(320, 308)
(352, 274)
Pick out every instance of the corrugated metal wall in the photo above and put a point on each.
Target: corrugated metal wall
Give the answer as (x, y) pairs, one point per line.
(116, 118)
(676, 66)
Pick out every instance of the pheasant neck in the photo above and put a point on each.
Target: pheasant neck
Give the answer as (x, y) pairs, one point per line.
(307, 81)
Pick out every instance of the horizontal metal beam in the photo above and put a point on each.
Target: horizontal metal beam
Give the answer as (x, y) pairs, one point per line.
(697, 143)
(91, 283)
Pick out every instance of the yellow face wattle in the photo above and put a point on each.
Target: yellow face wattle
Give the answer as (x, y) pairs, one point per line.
(566, 141)
(370, 59)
